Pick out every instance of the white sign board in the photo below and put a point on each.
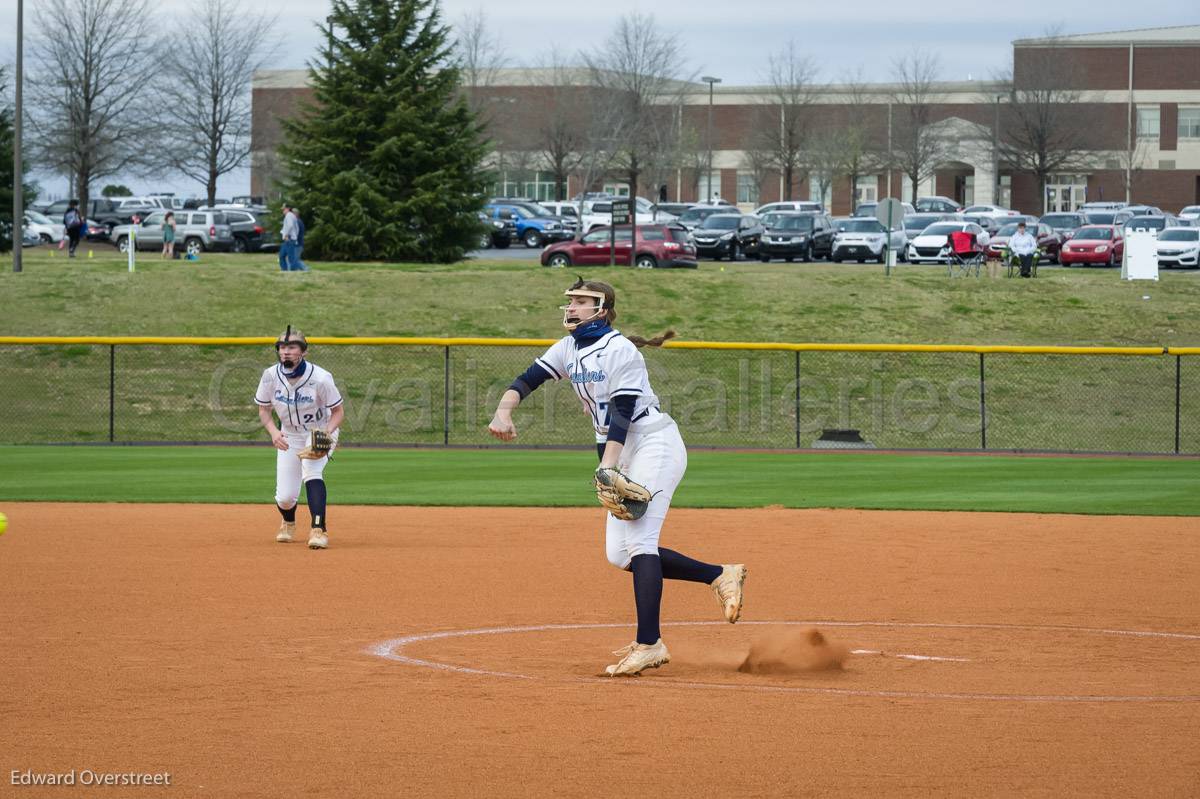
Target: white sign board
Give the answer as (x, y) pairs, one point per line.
(890, 211)
(1141, 255)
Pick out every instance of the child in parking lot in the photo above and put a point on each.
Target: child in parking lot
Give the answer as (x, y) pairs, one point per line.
(168, 234)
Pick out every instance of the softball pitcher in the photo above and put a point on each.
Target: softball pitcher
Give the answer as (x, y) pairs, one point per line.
(310, 411)
(642, 460)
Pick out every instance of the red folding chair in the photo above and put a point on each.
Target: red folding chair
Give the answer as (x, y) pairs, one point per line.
(966, 256)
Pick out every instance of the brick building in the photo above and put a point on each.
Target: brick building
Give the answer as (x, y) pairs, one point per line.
(1134, 98)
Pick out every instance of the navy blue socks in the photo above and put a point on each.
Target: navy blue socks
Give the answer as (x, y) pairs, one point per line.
(314, 490)
(289, 514)
(647, 593)
(680, 567)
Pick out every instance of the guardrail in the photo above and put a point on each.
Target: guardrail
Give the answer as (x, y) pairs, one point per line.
(441, 392)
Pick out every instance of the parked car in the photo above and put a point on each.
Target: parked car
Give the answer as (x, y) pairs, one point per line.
(915, 223)
(565, 210)
(674, 209)
(195, 232)
(249, 233)
(30, 238)
(791, 234)
(532, 229)
(985, 221)
(658, 246)
(790, 205)
(1101, 206)
(1179, 246)
(94, 231)
(868, 209)
(938, 205)
(569, 221)
(693, 217)
(1190, 213)
(989, 210)
(1117, 217)
(1065, 224)
(597, 213)
(48, 230)
(498, 233)
(933, 245)
(1148, 223)
(1100, 245)
(728, 235)
(1048, 242)
(864, 240)
(1143, 210)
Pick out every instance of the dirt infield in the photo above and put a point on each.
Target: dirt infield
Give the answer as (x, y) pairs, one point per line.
(455, 652)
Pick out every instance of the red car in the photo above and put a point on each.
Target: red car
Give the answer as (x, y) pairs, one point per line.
(1094, 244)
(658, 246)
(1048, 241)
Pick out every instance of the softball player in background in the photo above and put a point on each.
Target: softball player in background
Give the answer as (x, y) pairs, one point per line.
(633, 435)
(305, 398)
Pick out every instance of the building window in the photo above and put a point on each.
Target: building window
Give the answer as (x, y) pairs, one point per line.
(1189, 123)
(1147, 123)
(708, 187)
(866, 190)
(617, 189)
(747, 191)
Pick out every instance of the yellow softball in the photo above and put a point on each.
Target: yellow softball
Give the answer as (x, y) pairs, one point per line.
(3, 523)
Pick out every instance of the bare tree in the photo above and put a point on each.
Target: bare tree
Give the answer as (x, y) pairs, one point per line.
(90, 114)
(916, 146)
(204, 89)
(1044, 129)
(562, 131)
(785, 120)
(637, 71)
(823, 159)
(480, 53)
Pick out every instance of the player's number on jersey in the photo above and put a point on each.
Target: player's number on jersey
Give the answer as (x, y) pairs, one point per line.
(309, 418)
(603, 406)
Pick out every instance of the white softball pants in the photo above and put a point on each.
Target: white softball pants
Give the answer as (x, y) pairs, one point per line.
(656, 458)
(291, 470)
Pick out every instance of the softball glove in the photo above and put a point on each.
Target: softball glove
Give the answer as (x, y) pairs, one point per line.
(623, 498)
(319, 445)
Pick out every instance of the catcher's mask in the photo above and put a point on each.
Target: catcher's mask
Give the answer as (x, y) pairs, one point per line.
(290, 336)
(604, 295)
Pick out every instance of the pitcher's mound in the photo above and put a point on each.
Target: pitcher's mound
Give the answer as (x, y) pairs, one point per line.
(793, 651)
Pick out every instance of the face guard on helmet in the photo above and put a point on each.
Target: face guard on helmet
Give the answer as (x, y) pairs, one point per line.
(571, 322)
(290, 336)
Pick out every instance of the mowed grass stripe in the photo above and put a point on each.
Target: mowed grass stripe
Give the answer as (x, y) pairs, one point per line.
(562, 478)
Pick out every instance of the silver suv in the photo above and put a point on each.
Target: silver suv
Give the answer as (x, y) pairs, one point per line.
(195, 232)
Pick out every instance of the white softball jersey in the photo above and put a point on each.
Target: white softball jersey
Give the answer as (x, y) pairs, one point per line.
(606, 368)
(301, 407)
(654, 453)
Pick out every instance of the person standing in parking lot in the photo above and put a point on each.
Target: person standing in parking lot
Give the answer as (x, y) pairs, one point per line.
(73, 221)
(168, 250)
(1023, 245)
(287, 236)
(296, 264)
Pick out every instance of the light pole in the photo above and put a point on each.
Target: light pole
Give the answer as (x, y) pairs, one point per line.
(18, 226)
(708, 162)
(996, 153)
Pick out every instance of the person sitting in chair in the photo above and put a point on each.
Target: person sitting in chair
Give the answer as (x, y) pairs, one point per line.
(1023, 245)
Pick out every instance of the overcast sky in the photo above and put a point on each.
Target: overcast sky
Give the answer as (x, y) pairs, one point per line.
(730, 40)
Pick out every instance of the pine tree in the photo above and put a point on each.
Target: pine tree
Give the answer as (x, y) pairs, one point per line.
(386, 163)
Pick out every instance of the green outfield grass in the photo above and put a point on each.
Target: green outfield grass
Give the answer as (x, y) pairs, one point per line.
(562, 478)
(247, 295)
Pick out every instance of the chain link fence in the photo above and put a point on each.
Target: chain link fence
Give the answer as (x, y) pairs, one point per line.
(436, 394)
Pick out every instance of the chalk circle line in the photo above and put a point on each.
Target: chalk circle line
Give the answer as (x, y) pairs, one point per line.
(392, 650)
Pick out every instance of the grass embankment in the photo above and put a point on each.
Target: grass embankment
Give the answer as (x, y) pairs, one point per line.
(735, 399)
(247, 295)
(548, 478)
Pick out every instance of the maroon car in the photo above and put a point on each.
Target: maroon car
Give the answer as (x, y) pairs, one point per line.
(1049, 242)
(1102, 245)
(658, 246)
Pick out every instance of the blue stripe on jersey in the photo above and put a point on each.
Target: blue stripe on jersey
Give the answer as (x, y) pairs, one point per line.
(550, 369)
